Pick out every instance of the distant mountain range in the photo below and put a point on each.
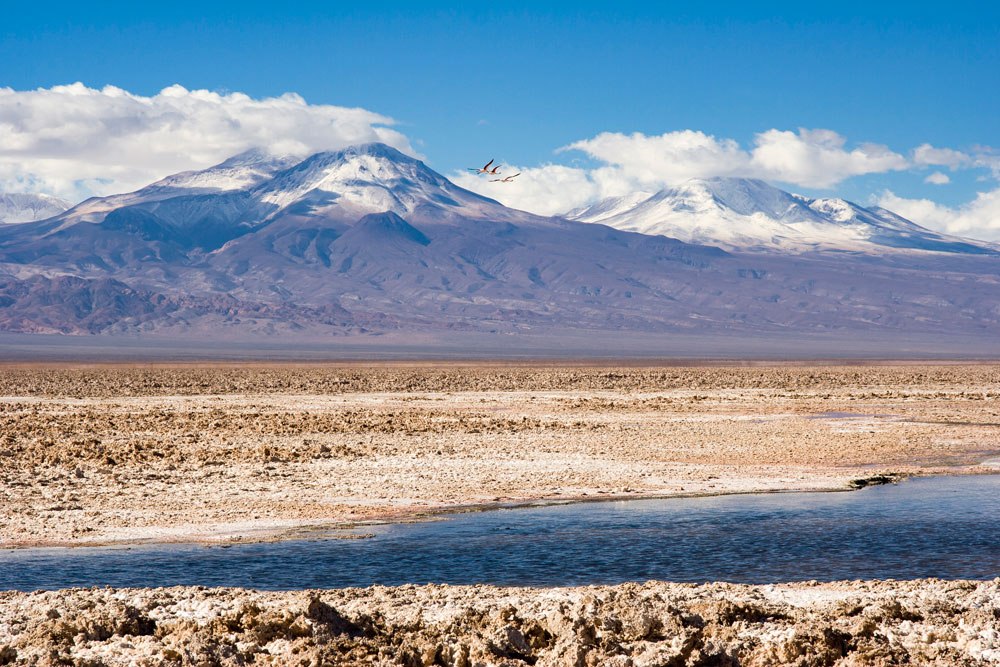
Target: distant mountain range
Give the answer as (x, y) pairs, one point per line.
(749, 214)
(28, 207)
(367, 240)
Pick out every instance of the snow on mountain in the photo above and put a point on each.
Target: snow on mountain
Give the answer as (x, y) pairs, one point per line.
(207, 208)
(367, 239)
(28, 207)
(239, 172)
(363, 179)
(608, 207)
(745, 213)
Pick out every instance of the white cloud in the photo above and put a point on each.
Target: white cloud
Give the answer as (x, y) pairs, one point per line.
(667, 158)
(811, 158)
(74, 141)
(817, 158)
(978, 156)
(978, 219)
(633, 162)
(927, 155)
(545, 190)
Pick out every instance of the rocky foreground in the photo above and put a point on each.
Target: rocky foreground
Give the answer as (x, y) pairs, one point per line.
(847, 623)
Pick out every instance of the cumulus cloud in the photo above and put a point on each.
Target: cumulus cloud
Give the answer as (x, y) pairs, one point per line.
(811, 158)
(927, 155)
(545, 190)
(74, 141)
(633, 162)
(550, 189)
(667, 158)
(978, 219)
(818, 158)
(981, 156)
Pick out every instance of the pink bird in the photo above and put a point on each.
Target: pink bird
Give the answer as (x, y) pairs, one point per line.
(485, 169)
(505, 179)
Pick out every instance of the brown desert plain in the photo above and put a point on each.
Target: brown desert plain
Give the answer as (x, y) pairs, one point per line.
(123, 454)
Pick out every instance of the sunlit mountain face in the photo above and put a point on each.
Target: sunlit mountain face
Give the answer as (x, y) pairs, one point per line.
(745, 213)
(28, 207)
(369, 240)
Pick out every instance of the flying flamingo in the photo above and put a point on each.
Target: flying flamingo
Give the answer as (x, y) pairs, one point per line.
(485, 169)
(506, 179)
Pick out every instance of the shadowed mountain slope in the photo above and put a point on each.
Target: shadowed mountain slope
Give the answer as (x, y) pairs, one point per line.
(368, 240)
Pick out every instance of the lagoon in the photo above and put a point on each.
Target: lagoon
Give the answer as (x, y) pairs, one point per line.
(945, 527)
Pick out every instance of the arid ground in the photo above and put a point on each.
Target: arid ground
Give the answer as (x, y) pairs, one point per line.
(232, 453)
(112, 454)
(631, 625)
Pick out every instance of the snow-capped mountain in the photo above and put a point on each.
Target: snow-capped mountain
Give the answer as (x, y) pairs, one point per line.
(607, 208)
(246, 170)
(28, 207)
(745, 213)
(368, 240)
(206, 209)
(237, 174)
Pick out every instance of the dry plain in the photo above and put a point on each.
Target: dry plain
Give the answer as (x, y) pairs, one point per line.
(106, 454)
(113, 454)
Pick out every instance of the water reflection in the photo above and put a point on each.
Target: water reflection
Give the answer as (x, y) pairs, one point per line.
(945, 527)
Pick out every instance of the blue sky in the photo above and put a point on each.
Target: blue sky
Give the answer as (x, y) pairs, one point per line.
(516, 82)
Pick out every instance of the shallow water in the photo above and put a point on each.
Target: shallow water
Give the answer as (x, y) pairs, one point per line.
(947, 527)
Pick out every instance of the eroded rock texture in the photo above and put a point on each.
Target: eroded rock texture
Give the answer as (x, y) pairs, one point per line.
(655, 624)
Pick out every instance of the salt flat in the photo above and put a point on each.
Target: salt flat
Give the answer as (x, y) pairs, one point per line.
(117, 454)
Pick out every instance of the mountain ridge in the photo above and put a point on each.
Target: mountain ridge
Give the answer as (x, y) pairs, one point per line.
(368, 241)
(17, 208)
(747, 213)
